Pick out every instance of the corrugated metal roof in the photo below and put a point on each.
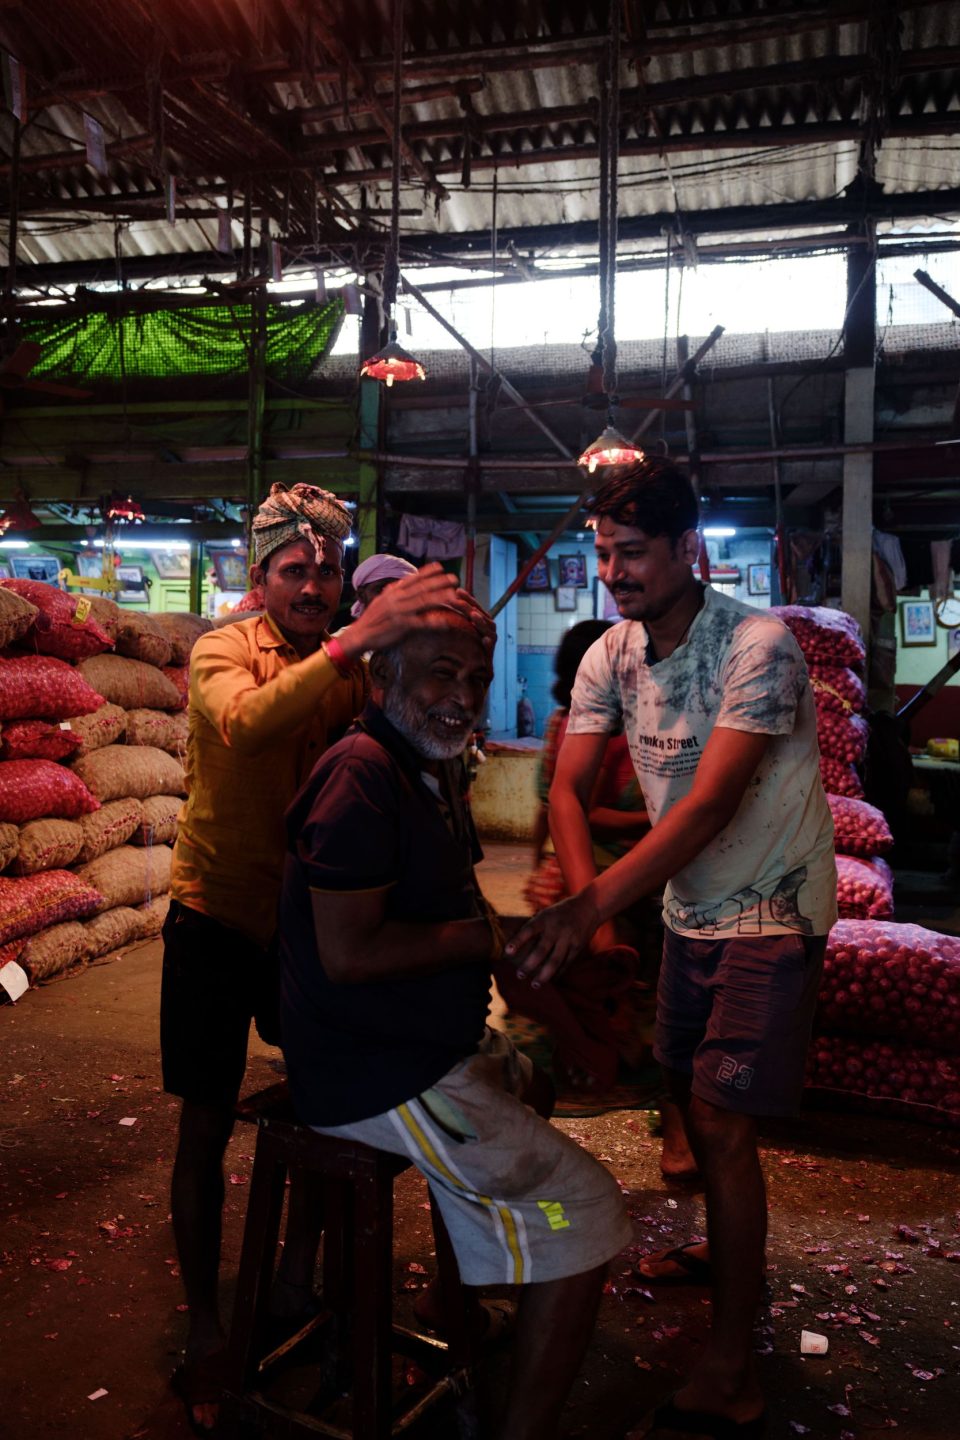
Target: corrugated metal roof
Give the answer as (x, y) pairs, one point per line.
(223, 94)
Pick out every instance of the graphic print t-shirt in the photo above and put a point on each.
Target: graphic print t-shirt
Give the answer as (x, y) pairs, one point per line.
(772, 870)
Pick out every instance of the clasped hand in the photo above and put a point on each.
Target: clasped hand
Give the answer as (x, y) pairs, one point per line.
(552, 938)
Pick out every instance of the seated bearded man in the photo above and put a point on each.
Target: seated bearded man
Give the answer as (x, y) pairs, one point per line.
(387, 950)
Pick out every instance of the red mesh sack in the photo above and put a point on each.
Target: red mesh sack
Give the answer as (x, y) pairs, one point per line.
(859, 828)
(38, 740)
(864, 889)
(880, 978)
(31, 789)
(891, 1078)
(826, 637)
(842, 737)
(253, 601)
(180, 675)
(65, 626)
(40, 687)
(38, 901)
(840, 778)
(835, 687)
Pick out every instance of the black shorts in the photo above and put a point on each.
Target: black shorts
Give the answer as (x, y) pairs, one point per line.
(736, 1013)
(215, 981)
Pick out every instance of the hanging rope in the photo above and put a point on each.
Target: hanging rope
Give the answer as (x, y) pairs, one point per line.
(391, 268)
(609, 156)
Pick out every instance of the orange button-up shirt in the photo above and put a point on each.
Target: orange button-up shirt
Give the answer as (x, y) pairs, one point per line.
(260, 718)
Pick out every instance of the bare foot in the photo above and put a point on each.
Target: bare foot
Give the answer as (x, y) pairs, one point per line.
(676, 1157)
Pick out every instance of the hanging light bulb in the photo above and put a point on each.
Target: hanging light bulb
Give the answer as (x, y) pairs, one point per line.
(18, 517)
(610, 448)
(392, 363)
(122, 510)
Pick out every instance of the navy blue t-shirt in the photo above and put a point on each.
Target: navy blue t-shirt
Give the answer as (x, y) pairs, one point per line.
(365, 820)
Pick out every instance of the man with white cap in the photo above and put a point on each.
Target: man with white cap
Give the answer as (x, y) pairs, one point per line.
(373, 575)
(267, 696)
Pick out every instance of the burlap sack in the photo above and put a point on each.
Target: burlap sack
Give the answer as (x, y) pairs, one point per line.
(16, 617)
(128, 875)
(141, 639)
(117, 771)
(107, 614)
(129, 683)
(9, 844)
(181, 631)
(101, 728)
(112, 929)
(165, 729)
(48, 845)
(159, 823)
(53, 950)
(151, 917)
(112, 825)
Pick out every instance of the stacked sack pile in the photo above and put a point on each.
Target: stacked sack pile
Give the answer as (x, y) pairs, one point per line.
(888, 1024)
(92, 738)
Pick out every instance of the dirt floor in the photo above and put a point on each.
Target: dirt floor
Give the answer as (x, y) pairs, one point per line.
(90, 1298)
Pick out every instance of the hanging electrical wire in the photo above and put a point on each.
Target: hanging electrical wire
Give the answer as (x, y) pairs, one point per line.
(391, 361)
(610, 447)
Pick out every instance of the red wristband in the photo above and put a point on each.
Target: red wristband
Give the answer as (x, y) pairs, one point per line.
(337, 656)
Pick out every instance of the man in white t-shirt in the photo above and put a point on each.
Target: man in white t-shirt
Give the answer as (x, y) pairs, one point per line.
(715, 701)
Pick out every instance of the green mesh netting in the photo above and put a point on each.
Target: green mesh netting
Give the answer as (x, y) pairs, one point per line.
(164, 344)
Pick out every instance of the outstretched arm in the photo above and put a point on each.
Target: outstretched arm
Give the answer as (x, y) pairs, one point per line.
(553, 937)
(357, 943)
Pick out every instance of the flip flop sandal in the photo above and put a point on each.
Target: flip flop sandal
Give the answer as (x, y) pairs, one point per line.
(703, 1423)
(200, 1382)
(695, 1271)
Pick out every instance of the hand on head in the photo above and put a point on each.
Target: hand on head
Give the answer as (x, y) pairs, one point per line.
(406, 606)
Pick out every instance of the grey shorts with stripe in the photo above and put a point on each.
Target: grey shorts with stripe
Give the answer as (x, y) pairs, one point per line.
(522, 1201)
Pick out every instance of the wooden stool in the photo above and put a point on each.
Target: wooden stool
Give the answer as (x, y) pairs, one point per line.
(357, 1321)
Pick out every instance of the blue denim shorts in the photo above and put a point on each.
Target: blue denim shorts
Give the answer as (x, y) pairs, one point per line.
(735, 1015)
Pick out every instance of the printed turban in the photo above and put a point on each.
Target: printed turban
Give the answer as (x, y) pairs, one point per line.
(300, 512)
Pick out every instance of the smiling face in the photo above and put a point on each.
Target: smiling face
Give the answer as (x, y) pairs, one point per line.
(646, 574)
(300, 595)
(434, 686)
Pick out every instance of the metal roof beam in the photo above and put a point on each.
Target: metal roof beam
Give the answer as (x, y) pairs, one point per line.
(640, 98)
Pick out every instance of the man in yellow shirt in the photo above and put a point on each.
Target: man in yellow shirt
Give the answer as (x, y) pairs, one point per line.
(267, 697)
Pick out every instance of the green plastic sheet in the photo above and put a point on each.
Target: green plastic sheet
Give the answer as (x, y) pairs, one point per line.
(207, 340)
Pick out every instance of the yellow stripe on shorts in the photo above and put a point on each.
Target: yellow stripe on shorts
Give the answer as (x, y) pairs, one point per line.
(430, 1154)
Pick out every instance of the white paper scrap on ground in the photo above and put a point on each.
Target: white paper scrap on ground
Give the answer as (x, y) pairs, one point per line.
(14, 979)
(813, 1344)
(128, 1120)
(98, 1394)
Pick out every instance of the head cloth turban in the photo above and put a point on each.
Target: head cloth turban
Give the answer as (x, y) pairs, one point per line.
(300, 512)
(378, 567)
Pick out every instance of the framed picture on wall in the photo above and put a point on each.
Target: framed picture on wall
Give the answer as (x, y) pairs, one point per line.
(604, 605)
(133, 587)
(539, 577)
(573, 570)
(36, 567)
(171, 564)
(758, 579)
(918, 624)
(566, 597)
(230, 567)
